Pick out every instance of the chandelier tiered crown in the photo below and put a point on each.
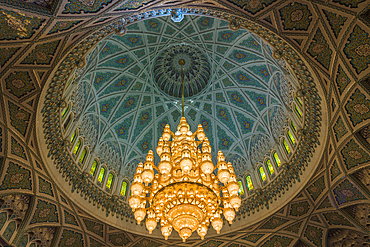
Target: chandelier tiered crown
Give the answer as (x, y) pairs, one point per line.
(185, 194)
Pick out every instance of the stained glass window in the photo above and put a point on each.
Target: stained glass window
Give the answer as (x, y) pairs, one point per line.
(299, 101)
(73, 136)
(83, 156)
(123, 189)
(286, 146)
(277, 159)
(248, 179)
(299, 113)
(77, 147)
(270, 167)
(93, 168)
(262, 173)
(67, 122)
(293, 126)
(65, 111)
(241, 189)
(110, 180)
(291, 137)
(101, 174)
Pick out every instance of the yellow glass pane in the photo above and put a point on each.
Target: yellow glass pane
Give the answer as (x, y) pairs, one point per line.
(65, 111)
(299, 113)
(277, 159)
(270, 167)
(73, 136)
(123, 189)
(93, 167)
(299, 101)
(83, 156)
(241, 189)
(286, 146)
(101, 175)
(262, 174)
(110, 180)
(77, 147)
(248, 179)
(293, 126)
(291, 137)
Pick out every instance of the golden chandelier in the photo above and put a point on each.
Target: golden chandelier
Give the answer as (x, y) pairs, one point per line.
(185, 194)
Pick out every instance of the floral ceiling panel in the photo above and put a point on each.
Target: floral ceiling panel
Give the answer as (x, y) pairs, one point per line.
(131, 88)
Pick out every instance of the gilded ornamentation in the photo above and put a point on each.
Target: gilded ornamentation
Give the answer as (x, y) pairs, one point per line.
(6, 54)
(354, 155)
(16, 177)
(347, 192)
(19, 83)
(86, 6)
(358, 107)
(296, 16)
(17, 26)
(320, 50)
(340, 129)
(342, 79)
(42, 54)
(45, 212)
(336, 22)
(19, 118)
(357, 49)
(17, 149)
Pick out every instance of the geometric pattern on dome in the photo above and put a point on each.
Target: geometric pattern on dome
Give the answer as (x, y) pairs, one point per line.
(242, 106)
(167, 70)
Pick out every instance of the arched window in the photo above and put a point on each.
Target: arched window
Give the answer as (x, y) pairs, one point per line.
(298, 111)
(277, 159)
(101, 175)
(299, 101)
(93, 168)
(248, 180)
(73, 137)
(270, 167)
(123, 188)
(77, 147)
(110, 181)
(83, 156)
(65, 111)
(67, 122)
(285, 146)
(241, 189)
(291, 137)
(293, 126)
(262, 174)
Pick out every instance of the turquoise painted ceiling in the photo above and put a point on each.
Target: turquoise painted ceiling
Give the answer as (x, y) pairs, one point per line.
(122, 111)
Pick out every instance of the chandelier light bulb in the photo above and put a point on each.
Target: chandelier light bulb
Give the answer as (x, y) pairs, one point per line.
(235, 202)
(151, 224)
(134, 202)
(137, 188)
(233, 188)
(223, 175)
(229, 214)
(202, 231)
(166, 231)
(139, 215)
(217, 224)
(186, 164)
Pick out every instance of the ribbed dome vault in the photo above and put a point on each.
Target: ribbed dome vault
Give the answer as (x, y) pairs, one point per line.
(129, 90)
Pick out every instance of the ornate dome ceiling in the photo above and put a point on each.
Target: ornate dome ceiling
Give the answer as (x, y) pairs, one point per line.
(129, 90)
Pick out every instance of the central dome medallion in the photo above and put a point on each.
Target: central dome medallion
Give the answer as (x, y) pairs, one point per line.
(167, 70)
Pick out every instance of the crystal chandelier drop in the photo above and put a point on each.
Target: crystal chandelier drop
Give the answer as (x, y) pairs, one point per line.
(184, 194)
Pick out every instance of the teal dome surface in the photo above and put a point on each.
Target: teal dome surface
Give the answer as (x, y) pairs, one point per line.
(167, 70)
(122, 105)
